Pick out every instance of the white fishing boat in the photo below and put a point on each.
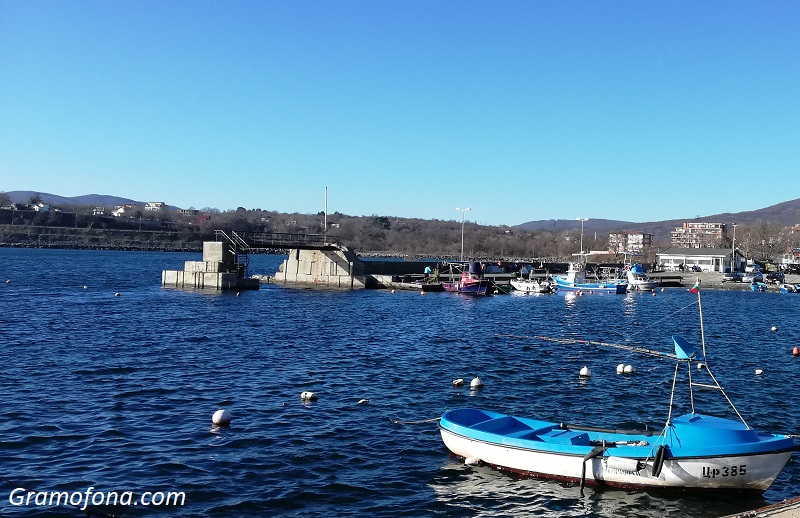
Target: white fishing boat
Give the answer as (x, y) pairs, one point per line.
(527, 286)
(638, 280)
(692, 451)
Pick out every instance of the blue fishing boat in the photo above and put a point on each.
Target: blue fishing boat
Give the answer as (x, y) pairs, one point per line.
(575, 280)
(692, 451)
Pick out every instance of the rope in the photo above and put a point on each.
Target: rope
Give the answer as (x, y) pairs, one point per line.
(431, 420)
(641, 350)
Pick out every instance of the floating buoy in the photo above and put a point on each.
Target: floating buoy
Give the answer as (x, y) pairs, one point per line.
(759, 372)
(363, 401)
(308, 396)
(629, 369)
(84, 286)
(476, 383)
(8, 281)
(221, 417)
(654, 293)
(701, 366)
(422, 293)
(796, 351)
(117, 294)
(238, 293)
(620, 368)
(585, 372)
(774, 328)
(662, 290)
(458, 382)
(392, 290)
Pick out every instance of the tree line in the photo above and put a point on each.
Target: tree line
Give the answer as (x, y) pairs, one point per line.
(378, 235)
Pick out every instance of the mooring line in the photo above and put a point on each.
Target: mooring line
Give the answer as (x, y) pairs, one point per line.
(431, 420)
(640, 350)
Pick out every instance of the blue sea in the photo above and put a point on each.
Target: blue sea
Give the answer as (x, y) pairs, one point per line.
(109, 382)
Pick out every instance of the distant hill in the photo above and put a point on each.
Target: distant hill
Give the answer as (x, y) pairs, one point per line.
(101, 200)
(786, 213)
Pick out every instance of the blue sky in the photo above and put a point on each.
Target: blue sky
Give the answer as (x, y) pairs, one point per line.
(630, 110)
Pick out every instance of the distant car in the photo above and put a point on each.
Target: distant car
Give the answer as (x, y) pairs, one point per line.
(732, 277)
(775, 277)
(753, 276)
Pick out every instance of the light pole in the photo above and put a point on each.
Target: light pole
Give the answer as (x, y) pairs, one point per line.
(462, 230)
(733, 250)
(581, 220)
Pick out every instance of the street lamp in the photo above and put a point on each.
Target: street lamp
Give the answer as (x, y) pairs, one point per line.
(581, 220)
(733, 249)
(462, 230)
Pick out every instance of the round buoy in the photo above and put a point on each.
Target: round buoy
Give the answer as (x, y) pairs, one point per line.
(629, 369)
(308, 396)
(476, 383)
(458, 382)
(662, 290)
(654, 293)
(363, 401)
(620, 368)
(701, 366)
(796, 351)
(8, 281)
(422, 293)
(221, 417)
(238, 294)
(774, 328)
(392, 290)
(585, 372)
(117, 294)
(759, 372)
(84, 286)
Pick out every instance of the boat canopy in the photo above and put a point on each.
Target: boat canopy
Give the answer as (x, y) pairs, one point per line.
(684, 350)
(637, 268)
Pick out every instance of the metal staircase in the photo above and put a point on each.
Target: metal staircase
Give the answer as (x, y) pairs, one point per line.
(239, 249)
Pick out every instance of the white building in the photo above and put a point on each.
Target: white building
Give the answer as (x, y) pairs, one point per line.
(708, 259)
(629, 241)
(154, 206)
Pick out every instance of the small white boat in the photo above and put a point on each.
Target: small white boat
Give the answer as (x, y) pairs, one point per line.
(532, 285)
(638, 279)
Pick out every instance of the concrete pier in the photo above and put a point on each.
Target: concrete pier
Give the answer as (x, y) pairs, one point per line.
(220, 269)
(330, 268)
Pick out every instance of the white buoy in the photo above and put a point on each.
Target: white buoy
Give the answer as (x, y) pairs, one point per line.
(392, 290)
(585, 372)
(308, 396)
(701, 366)
(774, 328)
(84, 286)
(458, 382)
(221, 417)
(476, 383)
(471, 461)
(629, 369)
(759, 372)
(363, 401)
(620, 368)
(117, 294)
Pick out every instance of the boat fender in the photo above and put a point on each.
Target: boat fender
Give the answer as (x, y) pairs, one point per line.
(596, 452)
(472, 461)
(658, 462)
(623, 464)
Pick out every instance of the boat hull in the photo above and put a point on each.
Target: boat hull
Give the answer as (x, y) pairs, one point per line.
(521, 448)
(482, 287)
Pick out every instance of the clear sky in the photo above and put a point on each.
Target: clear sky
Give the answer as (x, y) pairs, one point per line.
(521, 110)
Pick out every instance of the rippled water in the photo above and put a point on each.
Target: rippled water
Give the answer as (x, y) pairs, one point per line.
(117, 392)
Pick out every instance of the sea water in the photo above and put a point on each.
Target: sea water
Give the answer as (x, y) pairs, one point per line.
(109, 382)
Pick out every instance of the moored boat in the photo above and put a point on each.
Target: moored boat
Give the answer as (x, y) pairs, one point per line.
(471, 282)
(532, 285)
(693, 451)
(575, 280)
(638, 279)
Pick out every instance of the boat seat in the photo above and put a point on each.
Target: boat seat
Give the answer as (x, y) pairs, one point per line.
(558, 436)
